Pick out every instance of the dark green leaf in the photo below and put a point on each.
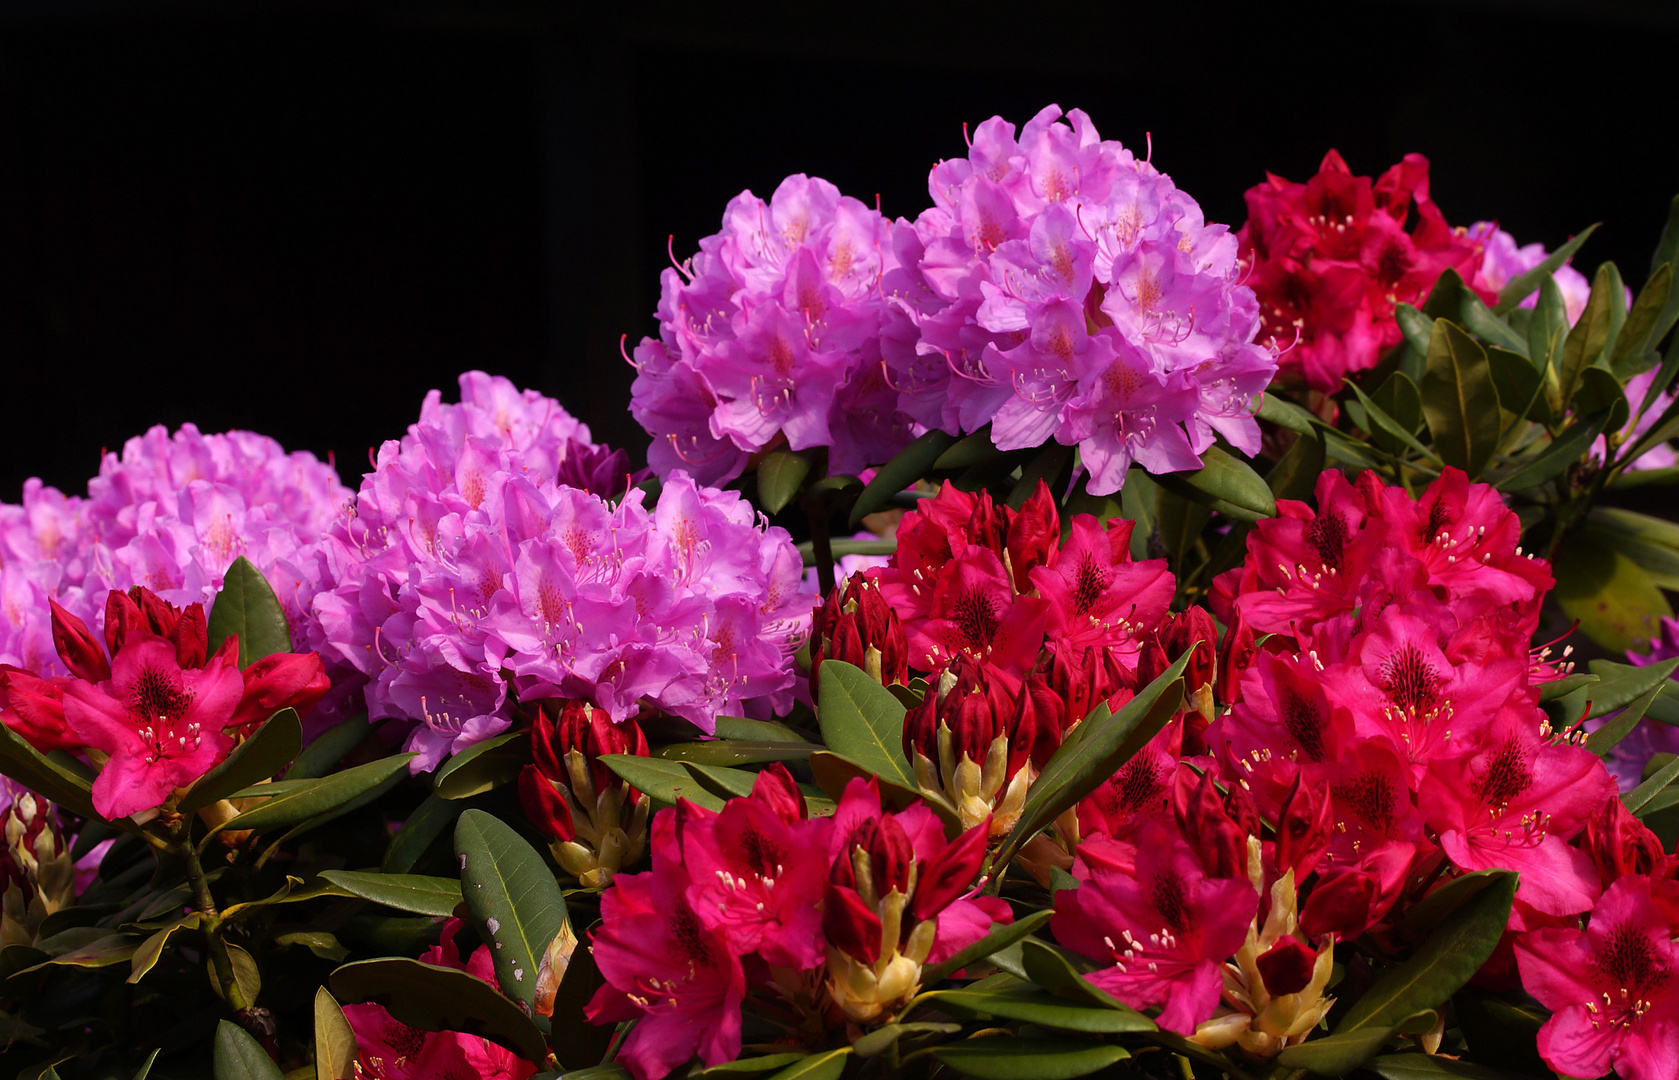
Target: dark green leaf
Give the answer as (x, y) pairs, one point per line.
(1052, 968)
(880, 1040)
(1585, 342)
(1521, 286)
(1344, 1051)
(722, 782)
(1639, 335)
(1001, 1057)
(335, 1043)
(781, 474)
(238, 1056)
(146, 1069)
(1429, 1067)
(970, 450)
(727, 752)
(748, 1066)
(265, 753)
(1664, 429)
(104, 950)
(1031, 1005)
(1599, 390)
(1284, 413)
(1520, 386)
(911, 464)
(1093, 752)
(840, 546)
(1652, 529)
(1564, 451)
(1432, 909)
(1046, 467)
(1658, 560)
(1296, 473)
(1607, 737)
(440, 999)
(151, 950)
(862, 722)
(1618, 606)
(1001, 936)
(484, 766)
(1440, 966)
(1641, 796)
(1487, 326)
(826, 1066)
(666, 781)
(1381, 422)
(515, 902)
(248, 607)
(579, 1043)
(833, 773)
(1229, 479)
(418, 893)
(429, 820)
(1459, 400)
(1181, 523)
(1564, 686)
(312, 797)
(50, 777)
(1620, 684)
(247, 977)
(738, 727)
(1417, 327)
(1138, 501)
(322, 944)
(329, 748)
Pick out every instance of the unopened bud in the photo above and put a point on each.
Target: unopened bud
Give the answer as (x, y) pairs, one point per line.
(856, 625)
(37, 875)
(596, 822)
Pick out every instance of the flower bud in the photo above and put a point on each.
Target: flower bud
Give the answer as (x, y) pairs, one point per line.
(1034, 537)
(978, 739)
(1236, 655)
(1287, 966)
(143, 611)
(280, 681)
(77, 646)
(1619, 844)
(1303, 826)
(37, 875)
(598, 823)
(1180, 633)
(856, 624)
(1218, 825)
(1085, 678)
(34, 708)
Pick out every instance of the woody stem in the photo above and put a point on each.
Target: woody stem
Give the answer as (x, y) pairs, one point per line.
(220, 959)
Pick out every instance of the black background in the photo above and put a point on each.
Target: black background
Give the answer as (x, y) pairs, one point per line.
(300, 217)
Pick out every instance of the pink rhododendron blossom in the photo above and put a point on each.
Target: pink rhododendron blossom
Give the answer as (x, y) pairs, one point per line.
(1061, 288)
(771, 332)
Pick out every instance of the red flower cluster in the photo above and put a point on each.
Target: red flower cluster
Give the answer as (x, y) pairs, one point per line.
(1331, 258)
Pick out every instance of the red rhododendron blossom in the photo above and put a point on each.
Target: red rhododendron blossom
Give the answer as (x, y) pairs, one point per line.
(1613, 988)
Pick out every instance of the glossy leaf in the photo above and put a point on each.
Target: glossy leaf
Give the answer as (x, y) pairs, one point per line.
(55, 779)
(911, 464)
(1607, 737)
(728, 752)
(1002, 1057)
(1481, 322)
(151, 950)
(335, 1043)
(1181, 523)
(781, 474)
(419, 831)
(288, 805)
(826, 1066)
(750, 1066)
(1600, 390)
(1644, 794)
(274, 746)
(664, 780)
(1380, 422)
(1638, 336)
(1459, 400)
(238, 1056)
(1228, 479)
(579, 1043)
(1620, 684)
(1564, 451)
(322, 944)
(1052, 968)
(968, 451)
(247, 977)
(998, 938)
(1344, 1051)
(1031, 1005)
(881, 1039)
(1520, 387)
(1430, 1067)
(419, 893)
(248, 607)
(1296, 473)
(833, 773)
(862, 722)
(1048, 466)
(1521, 286)
(1285, 413)
(1433, 909)
(515, 902)
(1417, 327)
(440, 999)
(329, 748)
(723, 782)
(484, 766)
(738, 727)
(1092, 753)
(1452, 954)
(1585, 342)
(1618, 606)
(146, 1069)
(1660, 561)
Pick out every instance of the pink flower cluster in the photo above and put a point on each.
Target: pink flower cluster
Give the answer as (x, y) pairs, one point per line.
(771, 333)
(1061, 288)
(170, 514)
(821, 920)
(471, 566)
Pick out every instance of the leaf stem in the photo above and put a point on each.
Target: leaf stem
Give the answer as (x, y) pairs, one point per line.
(220, 959)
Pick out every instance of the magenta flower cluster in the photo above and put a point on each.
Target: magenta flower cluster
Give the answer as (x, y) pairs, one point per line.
(485, 555)
(170, 514)
(771, 332)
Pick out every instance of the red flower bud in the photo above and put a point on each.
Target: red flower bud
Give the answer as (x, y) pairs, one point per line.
(1286, 967)
(1341, 905)
(1619, 844)
(850, 925)
(280, 681)
(775, 787)
(856, 624)
(1217, 826)
(1236, 655)
(1086, 678)
(988, 525)
(77, 646)
(1034, 536)
(143, 611)
(544, 806)
(876, 859)
(949, 874)
(34, 708)
(1303, 827)
(590, 731)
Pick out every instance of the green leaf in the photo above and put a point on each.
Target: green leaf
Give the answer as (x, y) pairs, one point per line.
(1459, 400)
(1383, 423)
(1607, 737)
(146, 1069)
(440, 999)
(515, 902)
(1284, 413)
(1000, 937)
(666, 781)
(579, 1043)
(151, 950)
(246, 975)
(1546, 333)
(882, 1039)
(781, 474)
(419, 893)
(1047, 467)
(1520, 386)
(1619, 684)
(248, 607)
(274, 745)
(1230, 480)
(970, 450)
(1618, 606)
(722, 782)
(335, 1043)
(1429, 1067)
(827, 1066)
(1658, 560)
(237, 1056)
(1564, 451)
(329, 748)
(1640, 797)
(289, 805)
(1487, 326)
(422, 827)
(910, 465)
(1181, 523)
(1600, 390)
(1137, 501)
(1639, 336)
(1521, 286)
(1432, 909)
(862, 722)
(1002, 1057)
(833, 773)
(1031, 1005)
(751, 1066)
(1585, 342)
(1049, 967)
(50, 777)
(484, 766)
(322, 944)
(1440, 966)
(727, 752)
(1344, 1051)
(738, 727)
(1296, 473)
(1092, 753)
(1417, 327)
(105, 950)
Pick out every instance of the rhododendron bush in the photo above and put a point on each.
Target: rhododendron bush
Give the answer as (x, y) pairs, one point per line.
(1053, 634)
